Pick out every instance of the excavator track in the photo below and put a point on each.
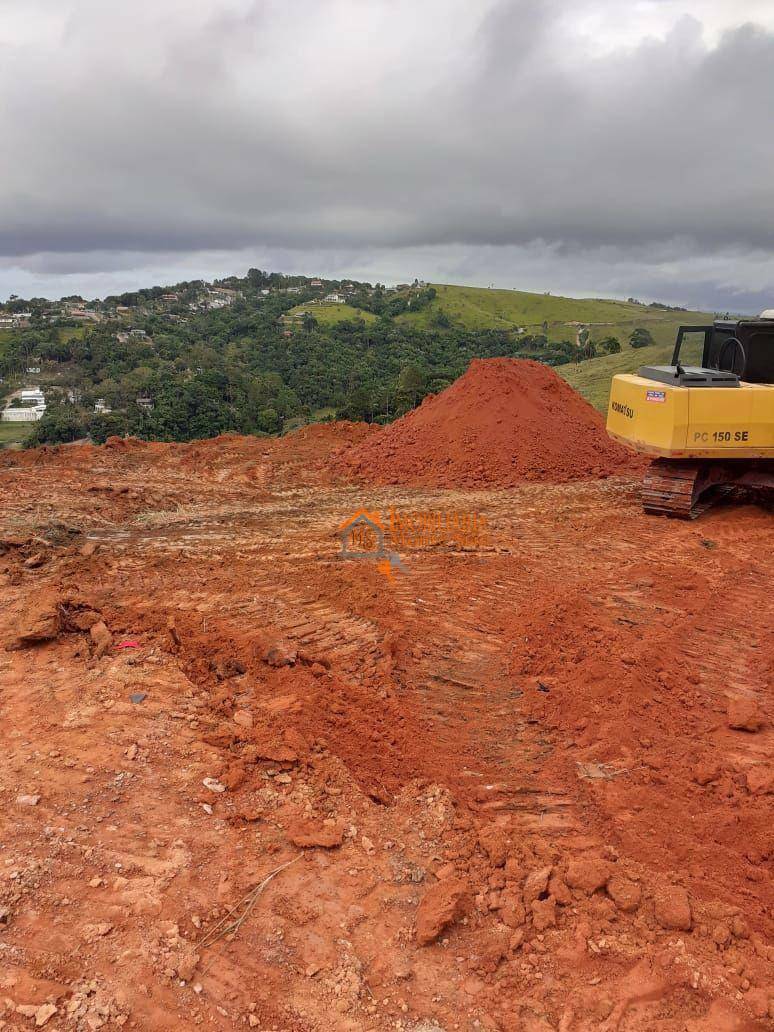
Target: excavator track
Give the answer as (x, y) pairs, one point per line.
(685, 490)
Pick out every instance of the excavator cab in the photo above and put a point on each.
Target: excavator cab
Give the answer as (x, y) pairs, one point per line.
(731, 351)
(708, 423)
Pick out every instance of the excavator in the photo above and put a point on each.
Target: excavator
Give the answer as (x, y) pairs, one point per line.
(709, 427)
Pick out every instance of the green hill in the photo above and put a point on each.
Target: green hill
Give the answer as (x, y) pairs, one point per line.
(592, 378)
(478, 308)
(176, 365)
(330, 314)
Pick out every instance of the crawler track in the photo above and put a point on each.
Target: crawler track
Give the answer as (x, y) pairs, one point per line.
(687, 489)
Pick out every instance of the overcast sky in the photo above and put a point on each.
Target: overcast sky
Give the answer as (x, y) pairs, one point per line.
(607, 147)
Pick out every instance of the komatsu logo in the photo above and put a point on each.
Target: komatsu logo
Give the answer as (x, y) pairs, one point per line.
(623, 410)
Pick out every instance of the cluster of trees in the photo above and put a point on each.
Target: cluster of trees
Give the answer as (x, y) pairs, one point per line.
(236, 369)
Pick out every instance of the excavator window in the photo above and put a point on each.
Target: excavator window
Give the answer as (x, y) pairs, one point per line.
(757, 346)
(692, 346)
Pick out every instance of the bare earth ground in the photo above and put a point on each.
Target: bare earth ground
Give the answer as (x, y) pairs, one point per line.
(505, 778)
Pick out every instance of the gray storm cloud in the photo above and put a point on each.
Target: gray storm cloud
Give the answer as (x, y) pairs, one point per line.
(470, 134)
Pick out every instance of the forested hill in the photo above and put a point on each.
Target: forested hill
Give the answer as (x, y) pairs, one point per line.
(266, 352)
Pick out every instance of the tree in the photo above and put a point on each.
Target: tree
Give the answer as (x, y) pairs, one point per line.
(411, 383)
(640, 338)
(609, 345)
(358, 407)
(58, 425)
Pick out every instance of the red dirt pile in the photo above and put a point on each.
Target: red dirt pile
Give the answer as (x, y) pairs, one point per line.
(503, 422)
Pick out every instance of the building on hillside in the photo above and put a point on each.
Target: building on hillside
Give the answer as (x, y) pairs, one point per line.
(32, 396)
(334, 299)
(33, 405)
(144, 403)
(30, 414)
(101, 407)
(316, 283)
(83, 314)
(15, 320)
(221, 297)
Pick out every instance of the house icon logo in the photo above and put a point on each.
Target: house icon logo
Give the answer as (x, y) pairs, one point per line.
(362, 536)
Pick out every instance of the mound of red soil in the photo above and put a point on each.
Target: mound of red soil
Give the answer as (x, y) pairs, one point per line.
(503, 422)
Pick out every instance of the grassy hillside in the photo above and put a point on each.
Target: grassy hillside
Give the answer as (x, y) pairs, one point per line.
(592, 377)
(478, 308)
(481, 308)
(327, 315)
(14, 433)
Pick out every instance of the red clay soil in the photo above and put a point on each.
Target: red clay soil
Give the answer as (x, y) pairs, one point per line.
(504, 422)
(247, 783)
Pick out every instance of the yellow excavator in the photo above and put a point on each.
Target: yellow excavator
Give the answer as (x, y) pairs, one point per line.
(709, 427)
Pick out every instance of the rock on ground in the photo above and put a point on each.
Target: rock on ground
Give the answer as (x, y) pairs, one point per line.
(442, 904)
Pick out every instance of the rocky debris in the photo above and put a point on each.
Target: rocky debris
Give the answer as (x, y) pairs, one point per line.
(760, 780)
(512, 911)
(625, 893)
(44, 1013)
(443, 903)
(705, 772)
(226, 669)
(310, 834)
(91, 1007)
(82, 619)
(41, 624)
(492, 840)
(672, 908)
(557, 887)
(743, 714)
(243, 718)
(40, 1012)
(213, 785)
(280, 655)
(9, 544)
(536, 884)
(27, 800)
(588, 874)
(273, 752)
(186, 964)
(34, 561)
(543, 914)
(101, 637)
